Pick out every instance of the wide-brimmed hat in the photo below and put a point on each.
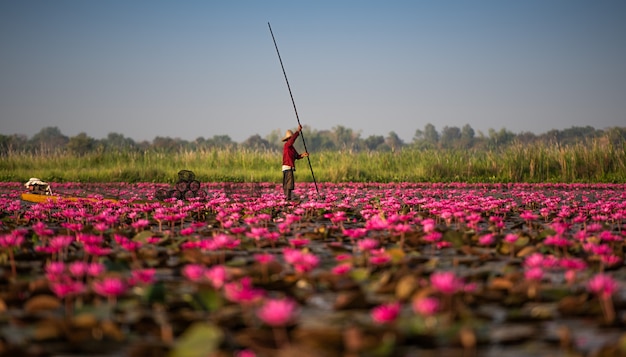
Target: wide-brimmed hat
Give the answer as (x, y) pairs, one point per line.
(288, 134)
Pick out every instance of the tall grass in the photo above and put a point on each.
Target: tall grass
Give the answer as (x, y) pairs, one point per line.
(595, 161)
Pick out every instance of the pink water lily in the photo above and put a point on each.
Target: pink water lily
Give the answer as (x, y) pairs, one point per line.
(385, 313)
(193, 272)
(426, 306)
(559, 236)
(142, 276)
(110, 286)
(604, 286)
(9, 242)
(341, 269)
(217, 276)
(446, 282)
(277, 312)
(66, 287)
(242, 291)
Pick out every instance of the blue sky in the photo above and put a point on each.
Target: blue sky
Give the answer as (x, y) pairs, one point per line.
(186, 69)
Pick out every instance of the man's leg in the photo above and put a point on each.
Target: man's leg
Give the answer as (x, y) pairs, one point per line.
(288, 183)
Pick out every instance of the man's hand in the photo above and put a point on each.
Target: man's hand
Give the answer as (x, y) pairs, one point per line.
(304, 154)
(299, 127)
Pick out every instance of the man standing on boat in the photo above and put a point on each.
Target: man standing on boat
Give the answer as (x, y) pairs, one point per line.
(290, 155)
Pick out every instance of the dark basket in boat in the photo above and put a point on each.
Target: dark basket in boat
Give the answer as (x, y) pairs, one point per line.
(179, 195)
(182, 185)
(194, 185)
(190, 194)
(162, 194)
(186, 175)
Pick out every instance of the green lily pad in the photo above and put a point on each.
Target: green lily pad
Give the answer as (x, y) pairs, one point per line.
(199, 340)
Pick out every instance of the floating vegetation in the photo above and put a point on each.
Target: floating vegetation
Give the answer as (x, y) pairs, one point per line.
(361, 270)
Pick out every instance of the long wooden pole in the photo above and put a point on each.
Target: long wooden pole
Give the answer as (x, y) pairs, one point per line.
(294, 105)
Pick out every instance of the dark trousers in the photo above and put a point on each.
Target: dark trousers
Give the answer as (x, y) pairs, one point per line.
(288, 183)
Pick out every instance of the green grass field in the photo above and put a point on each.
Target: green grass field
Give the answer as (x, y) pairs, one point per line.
(594, 162)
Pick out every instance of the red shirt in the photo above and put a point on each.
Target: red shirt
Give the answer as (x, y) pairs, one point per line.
(290, 155)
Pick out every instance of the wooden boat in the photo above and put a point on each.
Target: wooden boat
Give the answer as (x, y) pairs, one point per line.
(37, 198)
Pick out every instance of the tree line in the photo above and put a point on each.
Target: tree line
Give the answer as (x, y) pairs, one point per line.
(51, 140)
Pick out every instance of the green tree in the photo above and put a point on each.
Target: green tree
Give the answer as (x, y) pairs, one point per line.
(394, 141)
(81, 144)
(467, 137)
(430, 135)
(274, 138)
(222, 141)
(374, 142)
(498, 139)
(12, 143)
(450, 136)
(48, 139)
(317, 141)
(256, 142)
(345, 138)
(117, 142)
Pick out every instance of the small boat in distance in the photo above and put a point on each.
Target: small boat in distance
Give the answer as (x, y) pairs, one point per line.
(39, 198)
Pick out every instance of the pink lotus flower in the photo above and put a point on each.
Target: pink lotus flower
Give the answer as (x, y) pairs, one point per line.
(341, 269)
(257, 233)
(12, 240)
(41, 230)
(242, 291)
(245, 353)
(428, 225)
(153, 240)
(379, 257)
(487, 239)
(385, 313)
(95, 269)
(343, 257)
(427, 306)
(528, 216)
(534, 260)
(225, 241)
(611, 260)
(511, 238)
(100, 227)
(187, 231)
(356, 233)
(140, 224)
(78, 268)
(557, 241)
(308, 262)
(89, 239)
(432, 237)
(602, 285)
(54, 270)
(446, 282)
(110, 287)
(534, 274)
(216, 275)
(264, 258)
(277, 312)
(402, 228)
(376, 223)
(97, 250)
(66, 288)
(368, 244)
(142, 276)
(299, 242)
(443, 244)
(193, 272)
(301, 261)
